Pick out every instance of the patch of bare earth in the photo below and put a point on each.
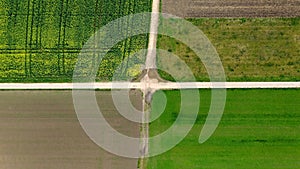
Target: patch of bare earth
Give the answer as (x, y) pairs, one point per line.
(40, 130)
(232, 8)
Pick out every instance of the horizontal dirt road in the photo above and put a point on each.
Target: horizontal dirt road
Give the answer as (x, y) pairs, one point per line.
(40, 130)
(232, 8)
(151, 84)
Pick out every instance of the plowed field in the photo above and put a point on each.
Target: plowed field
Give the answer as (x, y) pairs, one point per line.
(232, 8)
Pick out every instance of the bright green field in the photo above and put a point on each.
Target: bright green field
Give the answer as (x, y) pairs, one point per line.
(259, 129)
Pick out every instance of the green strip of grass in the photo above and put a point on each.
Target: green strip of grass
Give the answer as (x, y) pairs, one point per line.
(259, 129)
(252, 49)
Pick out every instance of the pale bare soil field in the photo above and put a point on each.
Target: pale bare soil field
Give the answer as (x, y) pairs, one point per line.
(40, 130)
(232, 8)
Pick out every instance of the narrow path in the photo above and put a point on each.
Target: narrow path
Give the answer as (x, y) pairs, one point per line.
(151, 84)
(151, 54)
(146, 82)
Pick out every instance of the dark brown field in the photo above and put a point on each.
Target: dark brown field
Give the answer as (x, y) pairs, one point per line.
(232, 8)
(40, 130)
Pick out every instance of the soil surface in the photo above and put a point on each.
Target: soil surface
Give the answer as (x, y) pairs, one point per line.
(232, 8)
(40, 130)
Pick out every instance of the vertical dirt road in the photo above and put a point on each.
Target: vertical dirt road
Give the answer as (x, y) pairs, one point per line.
(40, 130)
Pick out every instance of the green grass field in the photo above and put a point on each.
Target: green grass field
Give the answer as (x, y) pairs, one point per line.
(251, 49)
(259, 129)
